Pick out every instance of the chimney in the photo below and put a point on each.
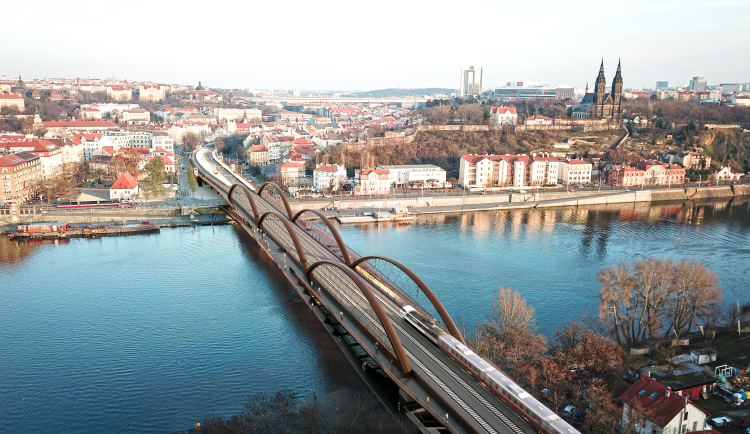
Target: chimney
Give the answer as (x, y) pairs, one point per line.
(668, 392)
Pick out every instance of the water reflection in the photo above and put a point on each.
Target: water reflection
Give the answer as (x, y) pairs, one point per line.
(553, 255)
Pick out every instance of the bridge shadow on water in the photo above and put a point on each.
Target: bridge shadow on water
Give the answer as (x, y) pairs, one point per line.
(332, 364)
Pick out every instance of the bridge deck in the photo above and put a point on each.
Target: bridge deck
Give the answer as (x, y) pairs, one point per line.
(459, 393)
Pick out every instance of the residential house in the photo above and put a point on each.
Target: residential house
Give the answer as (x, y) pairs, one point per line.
(504, 115)
(726, 174)
(624, 176)
(652, 408)
(374, 181)
(329, 176)
(125, 188)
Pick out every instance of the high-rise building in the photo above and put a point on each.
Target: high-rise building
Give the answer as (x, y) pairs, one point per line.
(698, 84)
(662, 85)
(471, 81)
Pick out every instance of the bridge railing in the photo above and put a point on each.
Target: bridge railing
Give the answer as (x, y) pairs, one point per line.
(351, 299)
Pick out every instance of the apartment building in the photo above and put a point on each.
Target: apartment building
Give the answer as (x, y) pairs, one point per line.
(50, 155)
(119, 93)
(153, 93)
(162, 140)
(508, 170)
(18, 174)
(575, 172)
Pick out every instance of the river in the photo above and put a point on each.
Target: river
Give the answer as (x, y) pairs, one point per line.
(150, 333)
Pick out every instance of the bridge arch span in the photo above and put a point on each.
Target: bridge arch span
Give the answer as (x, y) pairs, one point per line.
(344, 251)
(390, 332)
(280, 192)
(444, 316)
(249, 194)
(292, 234)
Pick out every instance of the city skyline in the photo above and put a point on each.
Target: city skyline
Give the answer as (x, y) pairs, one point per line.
(395, 52)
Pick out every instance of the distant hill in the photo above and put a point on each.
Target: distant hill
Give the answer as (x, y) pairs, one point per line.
(393, 92)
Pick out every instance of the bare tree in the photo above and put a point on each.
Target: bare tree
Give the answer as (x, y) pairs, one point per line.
(509, 309)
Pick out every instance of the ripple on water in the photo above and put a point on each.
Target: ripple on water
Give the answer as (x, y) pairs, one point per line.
(148, 333)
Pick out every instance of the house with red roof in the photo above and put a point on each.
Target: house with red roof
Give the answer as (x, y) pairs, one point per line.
(504, 115)
(91, 114)
(328, 177)
(576, 172)
(624, 176)
(124, 188)
(486, 171)
(257, 154)
(652, 408)
(374, 181)
(12, 100)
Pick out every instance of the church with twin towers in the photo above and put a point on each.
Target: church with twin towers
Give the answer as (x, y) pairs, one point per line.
(601, 104)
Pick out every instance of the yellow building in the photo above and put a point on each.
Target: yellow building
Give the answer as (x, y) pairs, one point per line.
(12, 100)
(258, 155)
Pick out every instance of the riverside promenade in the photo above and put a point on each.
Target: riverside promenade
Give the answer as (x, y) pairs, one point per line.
(518, 200)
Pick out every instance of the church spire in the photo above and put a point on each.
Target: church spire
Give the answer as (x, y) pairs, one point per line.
(601, 71)
(618, 74)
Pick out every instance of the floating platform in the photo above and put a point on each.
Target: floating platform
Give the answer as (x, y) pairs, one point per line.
(87, 232)
(399, 216)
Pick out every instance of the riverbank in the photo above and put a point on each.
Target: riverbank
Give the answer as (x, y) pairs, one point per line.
(175, 222)
(512, 201)
(104, 215)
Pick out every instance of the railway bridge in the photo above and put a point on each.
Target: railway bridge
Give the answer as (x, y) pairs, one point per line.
(358, 300)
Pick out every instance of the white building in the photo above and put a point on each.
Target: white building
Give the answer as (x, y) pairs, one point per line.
(374, 181)
(663, 411)
(162, 140)
(109, 107)
(328, 176)
(93, 143)
(91, 114)
(136, 116)
(427, 175)
(544, 170)
(238, 114)
(504, 115)
(471, 81)
(576, 172)
(124, 188)
(153, 93)
(538, 120)
(741, 99)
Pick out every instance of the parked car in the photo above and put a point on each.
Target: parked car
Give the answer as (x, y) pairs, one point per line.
(568, 411)
(572, 190)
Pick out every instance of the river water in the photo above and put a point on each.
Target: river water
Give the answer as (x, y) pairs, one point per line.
(150, 333)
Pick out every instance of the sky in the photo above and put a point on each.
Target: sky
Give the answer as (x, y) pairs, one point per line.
(358, 45)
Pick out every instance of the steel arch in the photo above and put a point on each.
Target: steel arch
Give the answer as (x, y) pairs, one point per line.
(290, 229)
(444, 316)
(249, 195)
(281, 193)
(384, 320)
(342, 247)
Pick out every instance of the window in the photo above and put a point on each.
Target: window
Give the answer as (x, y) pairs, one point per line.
(685, 416)
(642, 392)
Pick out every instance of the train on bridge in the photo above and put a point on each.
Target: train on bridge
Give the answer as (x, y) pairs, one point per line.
(535, 412)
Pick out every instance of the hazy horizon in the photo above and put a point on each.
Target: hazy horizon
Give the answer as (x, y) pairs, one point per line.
(340, 46)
